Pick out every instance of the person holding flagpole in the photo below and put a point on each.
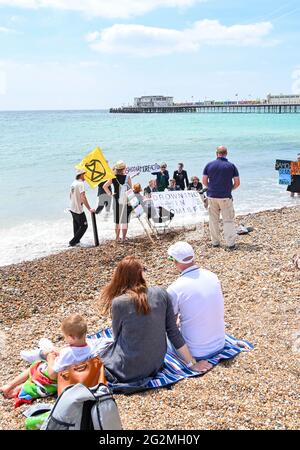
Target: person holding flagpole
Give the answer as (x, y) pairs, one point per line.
(78, 199)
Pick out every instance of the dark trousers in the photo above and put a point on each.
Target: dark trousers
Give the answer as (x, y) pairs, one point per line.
(80, 225)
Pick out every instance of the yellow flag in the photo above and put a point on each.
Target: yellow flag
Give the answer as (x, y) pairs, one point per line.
(97, 168)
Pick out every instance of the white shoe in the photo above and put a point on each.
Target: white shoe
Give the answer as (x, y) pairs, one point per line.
(31, 355)
(45, 345)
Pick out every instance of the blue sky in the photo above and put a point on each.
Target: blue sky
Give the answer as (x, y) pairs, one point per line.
(82, 54)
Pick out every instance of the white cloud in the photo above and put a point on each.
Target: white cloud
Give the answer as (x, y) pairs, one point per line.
(103, 8)
(140, 40)
(6, 30)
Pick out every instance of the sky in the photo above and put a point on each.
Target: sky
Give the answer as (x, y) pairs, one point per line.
(96, 54)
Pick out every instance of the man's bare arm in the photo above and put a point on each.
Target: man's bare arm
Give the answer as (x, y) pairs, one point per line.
(236, 183)
(84, 200)
(205, 180)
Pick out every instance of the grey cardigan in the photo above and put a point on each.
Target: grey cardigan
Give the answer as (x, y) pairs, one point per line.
(140, 343)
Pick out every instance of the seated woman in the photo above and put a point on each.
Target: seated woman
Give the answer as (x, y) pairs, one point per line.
(158, 215)
(142, 319)
(172, 186)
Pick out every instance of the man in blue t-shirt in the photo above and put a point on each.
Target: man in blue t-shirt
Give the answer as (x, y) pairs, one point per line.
(221, 177)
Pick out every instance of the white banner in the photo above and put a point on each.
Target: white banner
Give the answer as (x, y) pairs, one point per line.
(143, 168)
(180, 202)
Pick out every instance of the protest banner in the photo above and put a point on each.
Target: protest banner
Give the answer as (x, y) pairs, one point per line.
(140, 168)
(285, 176)
(179, 202)
(282, 164)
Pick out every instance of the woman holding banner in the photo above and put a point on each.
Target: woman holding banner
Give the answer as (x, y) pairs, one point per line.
(122, 210)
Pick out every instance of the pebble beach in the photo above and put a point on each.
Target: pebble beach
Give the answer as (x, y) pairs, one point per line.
(256, 390)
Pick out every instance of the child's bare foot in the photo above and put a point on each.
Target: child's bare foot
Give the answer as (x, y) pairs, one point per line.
(7, 391)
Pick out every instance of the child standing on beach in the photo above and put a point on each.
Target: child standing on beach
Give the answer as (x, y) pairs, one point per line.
(40, 380)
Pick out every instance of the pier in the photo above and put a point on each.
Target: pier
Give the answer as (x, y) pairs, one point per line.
(238, 108)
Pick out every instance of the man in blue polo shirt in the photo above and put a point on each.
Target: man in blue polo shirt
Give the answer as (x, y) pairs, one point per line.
(221, 177)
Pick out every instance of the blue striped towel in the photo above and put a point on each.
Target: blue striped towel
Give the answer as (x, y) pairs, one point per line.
(174, 369)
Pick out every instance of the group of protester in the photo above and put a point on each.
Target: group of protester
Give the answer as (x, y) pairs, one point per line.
(220, 178)
(190, 314)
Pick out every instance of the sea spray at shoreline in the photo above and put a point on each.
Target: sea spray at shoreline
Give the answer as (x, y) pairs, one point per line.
(41, 238)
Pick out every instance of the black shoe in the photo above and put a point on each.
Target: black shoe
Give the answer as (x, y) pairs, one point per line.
(215, 245)
(232, 247)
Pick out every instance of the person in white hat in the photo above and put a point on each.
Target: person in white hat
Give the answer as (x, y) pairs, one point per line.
(198, 302)
(121, 183)
(78, 199)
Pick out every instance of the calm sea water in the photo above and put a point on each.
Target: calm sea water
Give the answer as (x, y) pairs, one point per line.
(39, 150)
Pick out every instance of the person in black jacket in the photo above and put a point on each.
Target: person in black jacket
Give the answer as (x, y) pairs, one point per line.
(181, 177)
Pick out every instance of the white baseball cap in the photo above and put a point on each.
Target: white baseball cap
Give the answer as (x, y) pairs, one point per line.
(182, 252)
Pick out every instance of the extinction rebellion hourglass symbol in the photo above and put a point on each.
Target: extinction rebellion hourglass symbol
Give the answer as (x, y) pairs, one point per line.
(96, 170)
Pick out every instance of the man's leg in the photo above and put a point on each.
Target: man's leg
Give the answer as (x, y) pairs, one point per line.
(227, 212)
(76, 226)
(214, 218)
(82, 227)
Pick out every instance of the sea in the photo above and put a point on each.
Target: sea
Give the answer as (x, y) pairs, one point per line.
(39, 151)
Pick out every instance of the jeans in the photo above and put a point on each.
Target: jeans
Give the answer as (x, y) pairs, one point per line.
(80, 225)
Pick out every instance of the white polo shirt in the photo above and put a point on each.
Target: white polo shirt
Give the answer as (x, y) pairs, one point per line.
(197, 297)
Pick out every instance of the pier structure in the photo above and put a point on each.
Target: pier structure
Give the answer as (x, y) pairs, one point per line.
(238, 108)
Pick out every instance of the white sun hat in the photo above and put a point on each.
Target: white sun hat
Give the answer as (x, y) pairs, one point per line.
(80, 172)
(182, 252)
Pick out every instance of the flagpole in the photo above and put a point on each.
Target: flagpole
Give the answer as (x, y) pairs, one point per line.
(95, 230)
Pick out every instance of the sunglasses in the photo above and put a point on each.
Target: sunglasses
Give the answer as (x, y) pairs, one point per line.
(170, 258)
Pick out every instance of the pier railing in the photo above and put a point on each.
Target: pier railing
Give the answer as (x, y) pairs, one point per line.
(261, 108)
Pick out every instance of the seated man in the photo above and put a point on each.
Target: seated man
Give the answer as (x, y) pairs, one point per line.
(198, 302)
(150, 188)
